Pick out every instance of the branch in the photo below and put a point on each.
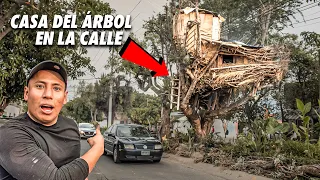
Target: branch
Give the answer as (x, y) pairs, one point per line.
(232, 107)
(8, 15)
(156, 83)
(190, 74)
(186, 99)
(5, 32)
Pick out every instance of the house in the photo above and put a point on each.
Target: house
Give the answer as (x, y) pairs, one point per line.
(231, 67)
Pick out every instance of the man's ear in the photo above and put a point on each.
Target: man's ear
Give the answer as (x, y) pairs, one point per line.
(26, 93)
(65, 97)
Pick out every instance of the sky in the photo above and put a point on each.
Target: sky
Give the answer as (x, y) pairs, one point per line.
(141, 10)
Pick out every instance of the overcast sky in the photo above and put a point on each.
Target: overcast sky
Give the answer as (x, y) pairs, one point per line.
(141, 10)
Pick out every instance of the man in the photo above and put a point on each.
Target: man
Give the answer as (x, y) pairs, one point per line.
(41, 144)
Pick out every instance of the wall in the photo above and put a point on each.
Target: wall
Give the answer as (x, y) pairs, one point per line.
(12, 111)
(183, 125)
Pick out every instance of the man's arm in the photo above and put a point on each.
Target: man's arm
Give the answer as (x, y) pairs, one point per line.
(97, 149)
(23, 159)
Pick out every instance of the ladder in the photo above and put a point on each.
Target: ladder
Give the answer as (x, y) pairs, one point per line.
(175, 93)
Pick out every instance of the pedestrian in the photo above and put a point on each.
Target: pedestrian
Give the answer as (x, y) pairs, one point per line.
(41, 144)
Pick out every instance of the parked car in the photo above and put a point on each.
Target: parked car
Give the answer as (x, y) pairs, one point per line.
(131, 142)
(86, 130)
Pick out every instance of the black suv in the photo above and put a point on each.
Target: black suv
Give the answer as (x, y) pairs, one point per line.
(131, 142)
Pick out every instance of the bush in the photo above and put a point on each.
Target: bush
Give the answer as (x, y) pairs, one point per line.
(244, 146)
(301, 152)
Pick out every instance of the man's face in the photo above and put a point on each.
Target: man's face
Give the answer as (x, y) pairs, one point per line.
(45, 96)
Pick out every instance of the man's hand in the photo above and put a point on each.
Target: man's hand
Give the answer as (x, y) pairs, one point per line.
(97, 140)
(97, 149)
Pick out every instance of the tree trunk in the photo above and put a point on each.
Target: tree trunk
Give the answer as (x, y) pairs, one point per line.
(281, 103)
(165, 122)
(91, 113)
(4, 103)
(198, 128)
(95, 115)
(265, 17)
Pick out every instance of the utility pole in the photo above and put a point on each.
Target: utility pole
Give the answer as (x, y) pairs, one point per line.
(111, 92)
(318, 70)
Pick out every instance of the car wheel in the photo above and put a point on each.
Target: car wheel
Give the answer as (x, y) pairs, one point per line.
(116, 157)
(157, 161)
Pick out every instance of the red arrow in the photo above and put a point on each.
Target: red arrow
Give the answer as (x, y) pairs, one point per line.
(133, 52)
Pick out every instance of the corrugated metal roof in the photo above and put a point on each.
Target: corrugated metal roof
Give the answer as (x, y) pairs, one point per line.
(200, 10)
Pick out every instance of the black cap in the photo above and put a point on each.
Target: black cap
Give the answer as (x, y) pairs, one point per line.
(49, 65)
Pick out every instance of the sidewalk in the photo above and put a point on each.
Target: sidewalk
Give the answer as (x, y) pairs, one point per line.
(212, 170)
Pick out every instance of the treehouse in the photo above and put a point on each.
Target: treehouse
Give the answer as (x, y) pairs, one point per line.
(221, 67)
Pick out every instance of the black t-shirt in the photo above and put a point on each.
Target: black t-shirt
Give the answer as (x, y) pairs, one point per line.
(29, 150)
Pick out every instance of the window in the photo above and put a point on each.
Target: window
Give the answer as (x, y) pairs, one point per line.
(132, 131)
(109, 129)
(90, 126)
(227, 59)
(113, 131)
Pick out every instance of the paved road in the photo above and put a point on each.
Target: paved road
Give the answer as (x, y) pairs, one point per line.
(168, 169)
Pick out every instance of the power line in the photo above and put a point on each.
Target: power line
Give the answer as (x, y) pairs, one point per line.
(307, 25)
(279, 7)
(307, 20)
(135, 7)
(314, 13)
(309, 7)
(135, 18)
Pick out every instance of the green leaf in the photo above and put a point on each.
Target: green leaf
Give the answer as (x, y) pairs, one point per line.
(285, 127)
(303, 128)
(317, 113)
(307, 107)
(295, 129)
(300, 106)
(306, 121)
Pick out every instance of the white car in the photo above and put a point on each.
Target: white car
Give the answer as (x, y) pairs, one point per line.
(86, 130)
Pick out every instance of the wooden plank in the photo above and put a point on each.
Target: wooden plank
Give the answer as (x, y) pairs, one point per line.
(245, 60)
(220, 59)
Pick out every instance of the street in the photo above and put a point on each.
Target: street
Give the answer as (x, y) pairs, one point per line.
(169, 168)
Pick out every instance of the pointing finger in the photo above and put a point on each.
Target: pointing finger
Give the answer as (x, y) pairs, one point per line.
(98, 129)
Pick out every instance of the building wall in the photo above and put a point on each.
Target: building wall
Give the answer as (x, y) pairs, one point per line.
(12, 111)
(183, 125)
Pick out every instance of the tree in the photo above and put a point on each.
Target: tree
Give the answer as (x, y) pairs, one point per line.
(145, 109)
(158, 40)
(18, 52)
(302, 81)
(97, 95)
(253, 21)
(78, 109)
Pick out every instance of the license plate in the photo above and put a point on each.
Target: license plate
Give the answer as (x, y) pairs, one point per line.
(145, 153)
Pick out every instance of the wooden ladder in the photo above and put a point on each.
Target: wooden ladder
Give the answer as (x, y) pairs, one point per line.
(175, 93)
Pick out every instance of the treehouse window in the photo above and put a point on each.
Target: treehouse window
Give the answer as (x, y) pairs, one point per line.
(227, 59)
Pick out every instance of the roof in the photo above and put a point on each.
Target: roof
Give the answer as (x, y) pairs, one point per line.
(188, 10)
(236, 43)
